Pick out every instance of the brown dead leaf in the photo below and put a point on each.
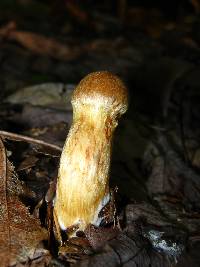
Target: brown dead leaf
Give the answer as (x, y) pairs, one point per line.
(98, 237)
(75, 11)
(27, 163)
(170, 175)
(40, 44)
(191, 43)
(150, 20)
(20, 233)
(4, 31)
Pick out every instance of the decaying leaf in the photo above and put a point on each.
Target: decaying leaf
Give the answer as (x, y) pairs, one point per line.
(48, 95)
(172, 183)
(39, 44)
(171, 176)
(20, 232)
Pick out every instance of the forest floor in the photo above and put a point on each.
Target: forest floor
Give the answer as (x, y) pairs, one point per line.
(46, 49)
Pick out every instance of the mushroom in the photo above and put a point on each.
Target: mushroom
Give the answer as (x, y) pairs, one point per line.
(83, 177)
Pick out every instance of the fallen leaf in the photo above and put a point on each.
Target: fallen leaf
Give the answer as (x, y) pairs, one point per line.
(170, 174)
(75, 11)
(40, 44)
(48, 95)
(98, 237)
(20, 232)
(27, 163)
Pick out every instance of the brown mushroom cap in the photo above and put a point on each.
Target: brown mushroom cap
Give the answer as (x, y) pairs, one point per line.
(102, 88)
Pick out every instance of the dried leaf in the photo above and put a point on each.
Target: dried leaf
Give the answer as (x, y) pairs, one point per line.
(27, 163)
(20, 233)
(48, 95)
(98, 237)
(40, 44)
(173, 184)
(170, 175)
(126, 251)
(77, 13)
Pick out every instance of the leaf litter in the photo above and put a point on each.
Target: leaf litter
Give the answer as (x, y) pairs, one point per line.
(158, 222)
(20, 232)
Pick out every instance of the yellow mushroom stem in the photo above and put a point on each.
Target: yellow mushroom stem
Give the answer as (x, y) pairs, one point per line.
(83, 177)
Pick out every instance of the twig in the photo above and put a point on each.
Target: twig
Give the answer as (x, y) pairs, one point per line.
(28, 139)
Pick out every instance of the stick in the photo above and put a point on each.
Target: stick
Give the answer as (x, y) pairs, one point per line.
(20, 137)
